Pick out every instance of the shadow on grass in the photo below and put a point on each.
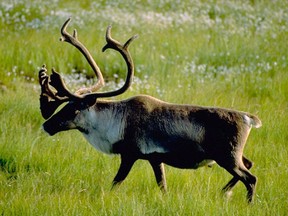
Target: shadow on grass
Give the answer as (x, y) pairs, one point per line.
(8, 167)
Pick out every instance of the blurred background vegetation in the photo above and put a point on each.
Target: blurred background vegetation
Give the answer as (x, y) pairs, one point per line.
(217, 53)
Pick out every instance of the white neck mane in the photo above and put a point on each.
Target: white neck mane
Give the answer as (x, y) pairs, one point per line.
(102, 128)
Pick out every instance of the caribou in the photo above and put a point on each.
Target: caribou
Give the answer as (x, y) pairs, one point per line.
(143, 127)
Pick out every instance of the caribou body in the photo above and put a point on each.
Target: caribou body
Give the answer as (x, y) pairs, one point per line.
(143, 127)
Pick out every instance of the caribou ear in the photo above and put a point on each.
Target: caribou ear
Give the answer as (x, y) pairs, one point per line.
(89, 100)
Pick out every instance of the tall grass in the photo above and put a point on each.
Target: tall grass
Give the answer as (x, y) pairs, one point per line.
(215, 53)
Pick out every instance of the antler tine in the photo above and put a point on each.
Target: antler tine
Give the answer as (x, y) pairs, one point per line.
(43, 81)
(73, 40)
(65, 36)
(129, 41)
(114, 44)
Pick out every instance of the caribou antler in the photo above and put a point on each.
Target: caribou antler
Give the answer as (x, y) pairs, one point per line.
(123, 50)
(51, 99)
(73, 40)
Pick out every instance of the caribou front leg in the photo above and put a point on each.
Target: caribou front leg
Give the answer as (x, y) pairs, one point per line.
(123, 171)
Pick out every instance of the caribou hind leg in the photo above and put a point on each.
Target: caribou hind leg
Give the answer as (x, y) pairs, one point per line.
(159, 173)
(240, 172)
(229, 186)
(249, 181)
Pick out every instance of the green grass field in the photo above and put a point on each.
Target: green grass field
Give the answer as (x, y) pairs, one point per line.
(215, 53)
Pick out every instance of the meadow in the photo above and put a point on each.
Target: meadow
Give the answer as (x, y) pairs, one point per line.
(223, 53)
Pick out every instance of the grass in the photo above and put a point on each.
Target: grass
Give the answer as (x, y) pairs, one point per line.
(215, 53)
